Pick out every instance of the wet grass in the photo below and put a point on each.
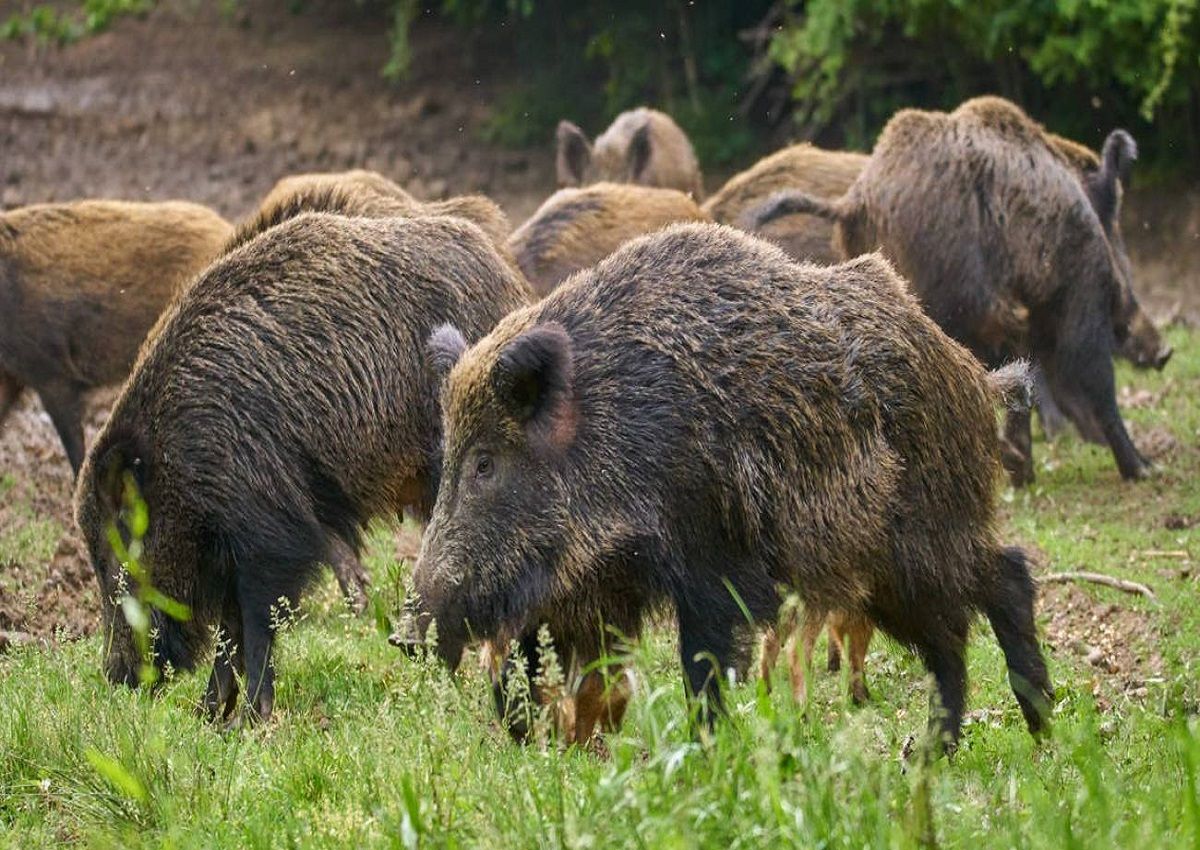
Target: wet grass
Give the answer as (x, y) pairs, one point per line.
(369, 748)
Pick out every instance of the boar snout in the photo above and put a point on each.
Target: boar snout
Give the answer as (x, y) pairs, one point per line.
(1163, 355)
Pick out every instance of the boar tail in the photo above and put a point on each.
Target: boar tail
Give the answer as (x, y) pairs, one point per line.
(1012, 385)
(1117, 159)
(789, 202)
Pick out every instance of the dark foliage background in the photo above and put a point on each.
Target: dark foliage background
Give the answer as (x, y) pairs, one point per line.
(745, 75)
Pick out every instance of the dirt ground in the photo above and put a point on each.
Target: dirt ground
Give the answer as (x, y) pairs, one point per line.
(186, 103)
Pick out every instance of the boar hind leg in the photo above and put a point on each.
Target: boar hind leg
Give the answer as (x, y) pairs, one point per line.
(64, 403)
(10, 391)
(220, 698)
(1016, 452)
(1009, 609)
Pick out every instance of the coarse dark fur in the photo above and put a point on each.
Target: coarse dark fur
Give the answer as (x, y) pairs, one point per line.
(359, 192)
(81, 284)
(641, 145)
(283, 402)
(1004, 244)
(802, 167)
(700, 423)
(576, 228)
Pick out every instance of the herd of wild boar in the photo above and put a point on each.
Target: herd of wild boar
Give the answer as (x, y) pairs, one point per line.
(639, 402)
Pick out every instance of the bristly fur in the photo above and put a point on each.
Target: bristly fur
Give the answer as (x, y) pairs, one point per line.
(734, 422)
(362, 193)
(282, 403)
(81, 284)
(801, 167)
(576, 228)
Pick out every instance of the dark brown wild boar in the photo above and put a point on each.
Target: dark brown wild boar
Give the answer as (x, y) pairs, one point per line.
(1006, 248)
(281, 404)
(640, 146)
(363, 193)
(804, 167)
(80, 286)
(698, 422)
(576, 228)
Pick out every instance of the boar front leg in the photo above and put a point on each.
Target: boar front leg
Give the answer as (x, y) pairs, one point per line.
(351, 577)
(706, 643)
(65, 407)
(228, 664)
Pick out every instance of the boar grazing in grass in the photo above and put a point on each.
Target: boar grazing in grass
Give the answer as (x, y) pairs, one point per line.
(80, 286)
(577, 228)
(803, 167)
(641, 146)
(1003, 239)
(700, 424)
(282, 403)
(363, 193)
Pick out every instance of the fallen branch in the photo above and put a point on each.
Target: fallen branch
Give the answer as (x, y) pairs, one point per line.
(1182, 554)
(1099, 578)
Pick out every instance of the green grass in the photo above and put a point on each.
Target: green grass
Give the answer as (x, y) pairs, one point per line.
(368, 748)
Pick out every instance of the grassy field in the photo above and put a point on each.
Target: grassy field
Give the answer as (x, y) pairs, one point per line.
(368, 748)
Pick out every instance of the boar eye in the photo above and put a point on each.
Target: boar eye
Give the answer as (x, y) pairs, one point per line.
(484, 466)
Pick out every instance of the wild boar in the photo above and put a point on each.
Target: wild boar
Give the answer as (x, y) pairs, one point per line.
(576, 228)
(81, 284)
(282, 402)
(804, 167)
(697, 422)
(1005, 248)
(641, 145)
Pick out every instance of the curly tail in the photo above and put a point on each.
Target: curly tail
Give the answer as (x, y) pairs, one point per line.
(1012, 384)
(790, 202)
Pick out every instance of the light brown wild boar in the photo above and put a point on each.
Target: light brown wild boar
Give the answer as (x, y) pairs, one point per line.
(1006, 248)
(576, 228)
(359, 192)
(81, 284)
(808, 168)
(641, 146)
(697, 422)
(283, 402)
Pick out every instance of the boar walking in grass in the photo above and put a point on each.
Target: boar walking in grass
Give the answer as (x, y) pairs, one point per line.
(641, 146)
(700, 423)
(282, 403)
(576, 228)
(1007, 244)
(81, 284)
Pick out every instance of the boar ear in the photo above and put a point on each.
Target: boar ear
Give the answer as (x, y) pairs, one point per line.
(574, 154)
(638, 153)
(533, 380)
(444, 348)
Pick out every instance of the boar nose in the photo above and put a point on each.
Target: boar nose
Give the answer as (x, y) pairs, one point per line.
(1164, 354)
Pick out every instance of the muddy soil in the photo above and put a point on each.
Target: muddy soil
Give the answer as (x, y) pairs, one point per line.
(188, 103)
